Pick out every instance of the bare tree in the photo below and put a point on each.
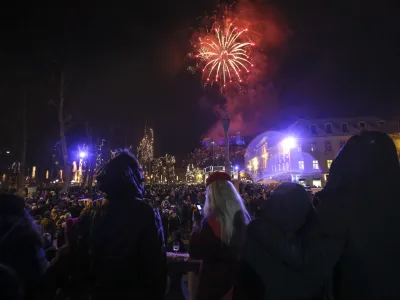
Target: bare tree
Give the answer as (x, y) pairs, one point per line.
(21, 175)
(90, 165)
(64, 123)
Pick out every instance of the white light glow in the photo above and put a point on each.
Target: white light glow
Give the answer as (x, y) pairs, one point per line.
(288, 143)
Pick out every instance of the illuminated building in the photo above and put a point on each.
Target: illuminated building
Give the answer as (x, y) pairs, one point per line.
(304, 152)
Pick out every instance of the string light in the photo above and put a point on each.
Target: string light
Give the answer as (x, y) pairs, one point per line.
(145, 151)
(100, 159)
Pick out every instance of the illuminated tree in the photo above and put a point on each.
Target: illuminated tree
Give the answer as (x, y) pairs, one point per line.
(170, 167)
(145, 151)
(157, 170)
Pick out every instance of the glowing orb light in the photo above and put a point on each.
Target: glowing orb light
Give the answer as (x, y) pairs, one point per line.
(288, 143)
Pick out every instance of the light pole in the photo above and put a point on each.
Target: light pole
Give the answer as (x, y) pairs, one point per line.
(226, 122)
(213, 154)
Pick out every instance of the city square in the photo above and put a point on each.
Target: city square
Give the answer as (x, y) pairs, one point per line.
(201, 150)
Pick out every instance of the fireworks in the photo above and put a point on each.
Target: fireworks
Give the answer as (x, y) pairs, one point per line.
(225, 52)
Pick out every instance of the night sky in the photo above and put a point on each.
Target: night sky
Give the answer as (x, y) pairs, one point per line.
(126, 65)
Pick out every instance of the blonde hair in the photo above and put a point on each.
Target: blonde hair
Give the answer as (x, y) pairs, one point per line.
(224, 202)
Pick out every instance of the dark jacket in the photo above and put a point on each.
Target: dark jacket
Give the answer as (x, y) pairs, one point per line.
(21, 249)
(120, 254)
(272, 264)
(128, 252)
(219, 261)
(360, 210)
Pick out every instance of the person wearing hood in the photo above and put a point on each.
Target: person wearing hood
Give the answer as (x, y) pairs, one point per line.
(121, 237)
(359, 210)
(271, 258)
(125, 235)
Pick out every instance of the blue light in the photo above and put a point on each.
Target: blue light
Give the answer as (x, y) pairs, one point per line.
(236, 168)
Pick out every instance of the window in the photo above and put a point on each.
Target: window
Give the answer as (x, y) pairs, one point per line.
(345, 127)
(328, 128)
(313, 129)
(329, 163)
(301, 165)
(328, 147)
(299, 148)
(317, 183)
(315, 165)
(312, 147)
(362, 125)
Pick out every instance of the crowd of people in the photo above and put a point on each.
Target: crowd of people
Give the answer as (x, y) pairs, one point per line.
(261, 242)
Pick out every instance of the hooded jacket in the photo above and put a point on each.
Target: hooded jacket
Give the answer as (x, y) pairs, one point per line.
(272, 258)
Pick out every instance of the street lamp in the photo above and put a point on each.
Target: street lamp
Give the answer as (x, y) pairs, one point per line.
(288, 143)
(82, 154)
(7, 152)
(226, 122)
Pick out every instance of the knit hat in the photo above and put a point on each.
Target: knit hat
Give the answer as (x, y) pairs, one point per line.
(218, 176)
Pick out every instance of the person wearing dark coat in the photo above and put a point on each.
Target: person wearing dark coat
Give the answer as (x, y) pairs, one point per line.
(21, 244)
(271, 265)
(359, 209)
(123, 237)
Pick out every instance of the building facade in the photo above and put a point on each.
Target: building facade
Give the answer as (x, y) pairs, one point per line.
(304, 152)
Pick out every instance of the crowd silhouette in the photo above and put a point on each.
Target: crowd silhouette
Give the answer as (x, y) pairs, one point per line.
(272, 242)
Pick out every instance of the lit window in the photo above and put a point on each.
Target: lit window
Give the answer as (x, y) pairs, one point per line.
(317, 183)
(313, 129)
(301, 165)
(315, 165)
(362, 125)
(329, 163)
(312, 147)
(345, 127)
(328, 128)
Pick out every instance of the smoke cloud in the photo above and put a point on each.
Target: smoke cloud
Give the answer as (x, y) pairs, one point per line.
(253, 104)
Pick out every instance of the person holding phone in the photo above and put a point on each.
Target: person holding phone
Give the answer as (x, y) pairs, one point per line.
(217, 241)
